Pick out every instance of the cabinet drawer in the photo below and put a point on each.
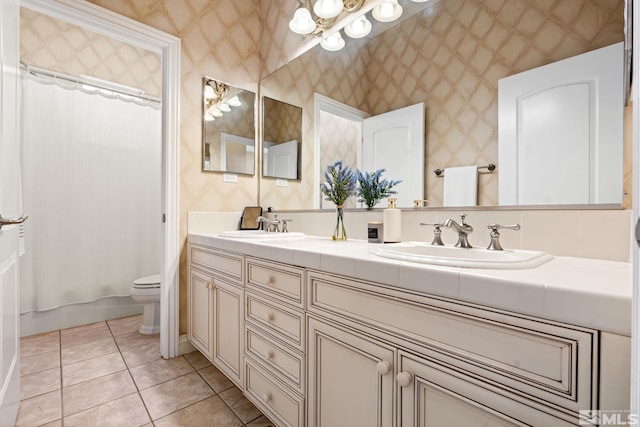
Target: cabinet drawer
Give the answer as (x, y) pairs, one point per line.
(287, 363)
(272, 398)
(230, 265)
(544, 360)
(277, 280)
(285, 323)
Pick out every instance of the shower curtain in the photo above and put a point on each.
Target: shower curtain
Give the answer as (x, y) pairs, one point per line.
(92, 183)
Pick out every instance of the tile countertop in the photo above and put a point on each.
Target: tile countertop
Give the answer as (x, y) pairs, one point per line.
(584, 292)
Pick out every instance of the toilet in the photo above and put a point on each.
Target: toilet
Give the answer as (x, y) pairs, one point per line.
(146, 290)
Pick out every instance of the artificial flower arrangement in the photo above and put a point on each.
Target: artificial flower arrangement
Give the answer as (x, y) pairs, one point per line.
(340, 183)
(372, 188)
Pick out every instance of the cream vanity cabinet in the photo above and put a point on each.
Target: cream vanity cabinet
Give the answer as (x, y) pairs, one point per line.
(378, 355)
(216, 308)
(275, 340)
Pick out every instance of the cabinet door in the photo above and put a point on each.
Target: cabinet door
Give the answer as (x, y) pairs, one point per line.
(350, 378)
(200, 314)
(432, 395)
(228, 329)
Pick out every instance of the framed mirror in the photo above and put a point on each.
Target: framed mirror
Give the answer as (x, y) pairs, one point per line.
(450, 55)
(281, 139)
(228, 128)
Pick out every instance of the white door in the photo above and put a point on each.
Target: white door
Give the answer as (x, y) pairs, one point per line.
(10, 207)
(394, 141)
(561, 131)
(282, 160)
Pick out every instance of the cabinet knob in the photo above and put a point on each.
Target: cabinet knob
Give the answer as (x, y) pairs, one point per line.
(383, 367)
(271, 280)
(267, 397)
(269, 355)
(404, 379)
(270, 317)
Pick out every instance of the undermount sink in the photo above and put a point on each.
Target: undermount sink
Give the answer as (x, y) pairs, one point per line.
(451, 256)
(259, 234)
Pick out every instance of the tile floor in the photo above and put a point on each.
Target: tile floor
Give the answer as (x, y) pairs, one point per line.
(107, 374)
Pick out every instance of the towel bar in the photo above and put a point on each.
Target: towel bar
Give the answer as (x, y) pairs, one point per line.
(491, 167)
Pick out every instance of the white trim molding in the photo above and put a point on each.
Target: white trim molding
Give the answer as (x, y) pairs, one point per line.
(111, 24)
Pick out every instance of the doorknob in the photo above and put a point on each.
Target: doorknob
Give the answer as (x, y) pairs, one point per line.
(4, 221)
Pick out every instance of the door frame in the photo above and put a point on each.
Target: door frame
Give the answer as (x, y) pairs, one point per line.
(111, 24)
(324, 103)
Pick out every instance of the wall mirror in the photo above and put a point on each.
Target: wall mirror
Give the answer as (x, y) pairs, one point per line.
(450, 56)
(228, 128)
(281, 139)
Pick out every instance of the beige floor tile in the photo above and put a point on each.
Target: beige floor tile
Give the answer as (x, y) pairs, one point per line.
(38, 344)
(197, 360)
(39, 362)
(82, 328)
(261, 422)
(216, 379)
(84, 337)
(92, 368)
(39, 383)
(138, 355)
(57, 423)
(98, 347)
(134, 339)
(240, 405)
(209, 412)
(128, 411)
(95, 392)
(159, 371)
(40, 410)
(125, 325)
(170, 396)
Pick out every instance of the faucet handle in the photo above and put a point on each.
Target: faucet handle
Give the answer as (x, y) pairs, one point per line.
(437, 232)
(462, 217)
(495, 245)
(284, 225)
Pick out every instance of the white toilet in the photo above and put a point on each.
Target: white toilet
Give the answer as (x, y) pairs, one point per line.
(146, 290)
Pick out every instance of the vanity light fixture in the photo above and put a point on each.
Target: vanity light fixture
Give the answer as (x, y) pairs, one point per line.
(217, 100)
(224, 106)
(332, 42)
(234, 101)
(328, 9)
(358, 28)
(387, 11)
(302, 22)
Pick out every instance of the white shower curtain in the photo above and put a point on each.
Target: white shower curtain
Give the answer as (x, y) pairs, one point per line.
(92, 169)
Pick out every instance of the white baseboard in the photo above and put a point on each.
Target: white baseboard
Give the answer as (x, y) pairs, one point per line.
(185, 346)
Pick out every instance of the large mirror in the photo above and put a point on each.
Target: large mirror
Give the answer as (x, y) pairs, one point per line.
(281, 139)
(450, 56)
(228, 130)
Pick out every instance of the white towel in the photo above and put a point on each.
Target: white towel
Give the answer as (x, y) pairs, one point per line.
(461, 186)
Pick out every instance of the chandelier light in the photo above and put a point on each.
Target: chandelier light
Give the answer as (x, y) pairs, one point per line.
(332, 42)
(387, 11)
(359, 28)
(217, 100)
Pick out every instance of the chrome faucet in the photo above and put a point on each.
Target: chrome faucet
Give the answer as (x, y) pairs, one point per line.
(268, 223)
(463, 230)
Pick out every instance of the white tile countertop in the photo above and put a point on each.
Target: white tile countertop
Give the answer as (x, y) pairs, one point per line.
(584, 292)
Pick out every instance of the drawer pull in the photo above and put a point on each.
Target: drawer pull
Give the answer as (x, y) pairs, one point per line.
(269, 355)
(270, 317)
(267, 397)
(404, 379)
(383, 367)
(271, 280)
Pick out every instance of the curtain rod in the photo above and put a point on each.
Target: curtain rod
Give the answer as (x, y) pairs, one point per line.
(92, 81)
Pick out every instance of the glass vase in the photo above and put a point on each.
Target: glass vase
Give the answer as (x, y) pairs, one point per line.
(339, 233)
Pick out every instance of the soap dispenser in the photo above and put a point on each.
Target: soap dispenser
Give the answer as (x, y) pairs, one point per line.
(392, 220)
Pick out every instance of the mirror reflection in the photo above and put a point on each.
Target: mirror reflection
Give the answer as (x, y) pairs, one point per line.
(449, 56)
(281, 139)
(228, 131)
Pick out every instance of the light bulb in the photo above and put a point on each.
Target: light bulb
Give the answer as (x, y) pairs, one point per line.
(301, 23)
(332, 42)
(387, 11)
(234, 101)
(208, 92)
(215, 112)
(224, 107)
(208, 117)
(328, 8)
(358, 28)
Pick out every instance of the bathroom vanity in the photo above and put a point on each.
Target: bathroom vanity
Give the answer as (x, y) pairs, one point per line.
(324, 333)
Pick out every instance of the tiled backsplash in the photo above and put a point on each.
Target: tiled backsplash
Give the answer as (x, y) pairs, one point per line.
(601, 234)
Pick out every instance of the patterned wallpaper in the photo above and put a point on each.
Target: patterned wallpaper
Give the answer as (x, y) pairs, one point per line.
(59, 46)
(282, 122)
(450, 57)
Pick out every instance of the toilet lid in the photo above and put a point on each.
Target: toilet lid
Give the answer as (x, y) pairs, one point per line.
(148, 281)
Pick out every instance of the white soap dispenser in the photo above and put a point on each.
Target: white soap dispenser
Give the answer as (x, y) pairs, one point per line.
(392, 220)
